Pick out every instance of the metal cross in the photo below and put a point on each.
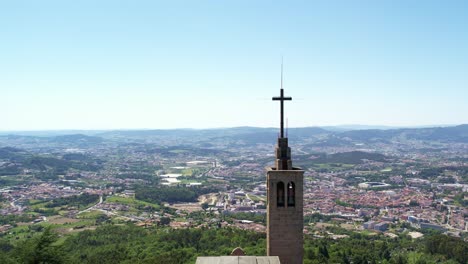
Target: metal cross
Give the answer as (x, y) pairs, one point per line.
(281, 98)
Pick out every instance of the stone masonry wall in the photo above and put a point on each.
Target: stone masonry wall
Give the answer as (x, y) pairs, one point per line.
(285, 224)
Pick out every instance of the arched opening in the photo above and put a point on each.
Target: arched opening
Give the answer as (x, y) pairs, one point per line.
(291, 194)
(280, 194)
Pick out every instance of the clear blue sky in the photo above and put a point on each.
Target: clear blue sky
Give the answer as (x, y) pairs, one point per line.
(202, 64)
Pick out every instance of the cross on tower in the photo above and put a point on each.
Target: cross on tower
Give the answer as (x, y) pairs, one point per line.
(281, 98)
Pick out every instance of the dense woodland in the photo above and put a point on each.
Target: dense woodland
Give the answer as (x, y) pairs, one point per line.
(78, 201)
(171, 194)
(131, 244)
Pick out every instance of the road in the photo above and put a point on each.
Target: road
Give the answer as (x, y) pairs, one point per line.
(93, 207)
(108, 213)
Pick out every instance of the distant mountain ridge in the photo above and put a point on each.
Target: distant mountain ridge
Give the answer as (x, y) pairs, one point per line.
(252, 135)
(449, 134)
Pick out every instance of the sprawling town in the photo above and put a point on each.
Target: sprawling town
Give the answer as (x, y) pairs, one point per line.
(370, 181)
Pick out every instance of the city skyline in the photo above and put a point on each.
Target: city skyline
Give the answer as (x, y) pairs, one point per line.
(154, 65)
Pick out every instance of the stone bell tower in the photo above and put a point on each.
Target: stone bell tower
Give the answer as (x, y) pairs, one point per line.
(285, 201)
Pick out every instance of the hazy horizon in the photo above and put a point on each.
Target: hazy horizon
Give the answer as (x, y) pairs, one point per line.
(343, 126)
(110, 65)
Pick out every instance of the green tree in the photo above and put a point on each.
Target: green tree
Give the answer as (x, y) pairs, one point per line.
(399, 259)
(417, 258)
(41, 249)
(323, 250)
(165, 221)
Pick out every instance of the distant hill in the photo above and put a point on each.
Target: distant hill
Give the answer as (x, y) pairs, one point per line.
(353, 157)
(6, 152)
(73, 140)
(76, 138)
(331, 136)
(334, 138)
(331, 140)
(449, 134)
(248, 135)
(253, 135)
(12, 154)
(341, 128)
(306, 131)
(49, 165)
(446, 134)
(370, 134)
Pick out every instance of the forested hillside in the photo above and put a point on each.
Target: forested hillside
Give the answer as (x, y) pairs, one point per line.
(131, 244)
